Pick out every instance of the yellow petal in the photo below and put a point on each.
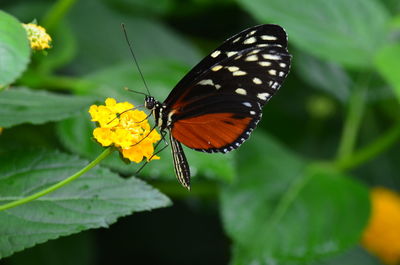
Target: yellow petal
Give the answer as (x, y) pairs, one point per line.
(110, 102)
(103, 136)
(123, 138)
(123, 107)
(382, 236)
(132, 154)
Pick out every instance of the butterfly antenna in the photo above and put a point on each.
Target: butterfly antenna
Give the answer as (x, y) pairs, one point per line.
(134, 91)
(134, 58)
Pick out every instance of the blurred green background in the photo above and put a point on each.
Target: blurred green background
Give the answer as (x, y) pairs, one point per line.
(297, 192)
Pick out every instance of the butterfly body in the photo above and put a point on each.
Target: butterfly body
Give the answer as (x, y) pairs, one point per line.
(216, 106)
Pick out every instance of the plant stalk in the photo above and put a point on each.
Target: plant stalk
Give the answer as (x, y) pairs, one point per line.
(353, 119)
(372, 150)
(58, 185)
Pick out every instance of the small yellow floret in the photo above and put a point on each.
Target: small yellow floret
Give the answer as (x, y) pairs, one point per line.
(382, 236)
(122, 126)
(37, 36)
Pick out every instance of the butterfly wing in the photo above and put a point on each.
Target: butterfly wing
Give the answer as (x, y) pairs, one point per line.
(258, 37)
(219, 102)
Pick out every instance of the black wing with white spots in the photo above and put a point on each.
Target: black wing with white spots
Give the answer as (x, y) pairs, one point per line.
(219, 102)
(255, 56)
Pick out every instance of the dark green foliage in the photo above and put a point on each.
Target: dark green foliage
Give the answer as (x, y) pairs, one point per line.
(14, 49)
(297, 192)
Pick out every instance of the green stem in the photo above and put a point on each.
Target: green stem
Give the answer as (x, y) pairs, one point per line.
(56, 13)
(59, 184)
(288, 198)
(372, 150)
(353, 120)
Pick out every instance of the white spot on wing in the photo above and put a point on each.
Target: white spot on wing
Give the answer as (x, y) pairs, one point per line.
(272, 72)
(251, 33)
(217, 86)
(241, 91)
(264, 63)
(262, 45)
(254, 51)
(236, 40)
(238, 73)
(252, 112)
(216, 68)
(257, 81)
(229, 54)
(251, 58)
(283, 65)
(206, 82)
(250, 40)
(263, 96)
(281, 74)
(271, 57)
(215, 54)
(247, 104)
(233, 68)
(275, 85)
(268, 37)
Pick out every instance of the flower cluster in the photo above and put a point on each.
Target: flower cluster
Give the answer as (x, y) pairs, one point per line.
(38, 38)
(125, 128)
(382, 236)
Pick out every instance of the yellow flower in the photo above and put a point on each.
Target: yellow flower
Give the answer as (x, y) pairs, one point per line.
(122, 126)
(382, 236)
(38, 38)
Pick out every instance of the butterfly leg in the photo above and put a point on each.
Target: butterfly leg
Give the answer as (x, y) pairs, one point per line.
(163, 134)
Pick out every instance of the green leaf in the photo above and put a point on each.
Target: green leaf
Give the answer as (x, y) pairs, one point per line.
(76, 136)
(326, 76)
(14, 49)
(94, 200)
(346, 32)
(21, 105)
(106, 43)
(138, 7)
(284, 210)
(356, 255)
(388, 65)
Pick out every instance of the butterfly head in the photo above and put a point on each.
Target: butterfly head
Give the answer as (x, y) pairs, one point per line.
(150, 102)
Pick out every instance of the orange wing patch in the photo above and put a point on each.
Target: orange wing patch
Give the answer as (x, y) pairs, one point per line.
(210, 131)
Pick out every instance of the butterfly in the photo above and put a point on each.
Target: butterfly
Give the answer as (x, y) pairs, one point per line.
(216, 106)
